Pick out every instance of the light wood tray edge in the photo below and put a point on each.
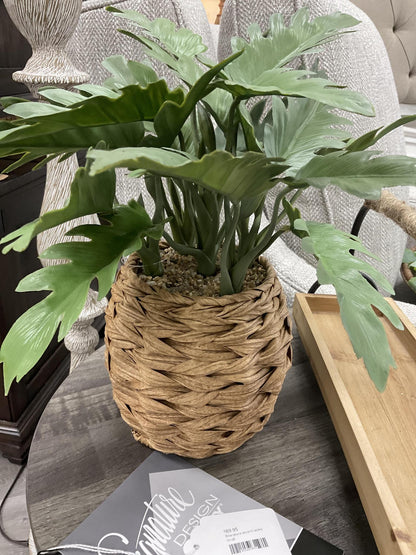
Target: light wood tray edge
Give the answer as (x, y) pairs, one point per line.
(384, 516)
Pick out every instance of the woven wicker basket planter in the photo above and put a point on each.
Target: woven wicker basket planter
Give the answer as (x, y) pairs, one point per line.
(196, 376)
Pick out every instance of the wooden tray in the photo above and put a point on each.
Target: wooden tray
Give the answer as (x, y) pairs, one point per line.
(377, 430)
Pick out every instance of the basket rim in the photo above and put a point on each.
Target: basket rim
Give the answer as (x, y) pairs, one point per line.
(249, 295)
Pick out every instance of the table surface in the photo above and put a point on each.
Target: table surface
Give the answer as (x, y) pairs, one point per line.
(82, 451)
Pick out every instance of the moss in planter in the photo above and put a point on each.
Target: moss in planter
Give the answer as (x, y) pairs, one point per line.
(181, 276)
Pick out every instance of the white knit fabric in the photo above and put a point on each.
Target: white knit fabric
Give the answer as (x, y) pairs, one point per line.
(359, 61)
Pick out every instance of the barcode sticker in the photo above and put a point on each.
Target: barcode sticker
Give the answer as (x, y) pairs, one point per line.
(248, 545)
(243, 532)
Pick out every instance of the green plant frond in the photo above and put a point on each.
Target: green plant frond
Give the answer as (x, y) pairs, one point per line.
(178, 42)
(172, 115)
(117, 121)
(128, 72)
(69, 284)
(234, 177)
(89, 195)
(260, 71)
(33, 340)
(280, 81)
(356, 297)
(301, 36)
(6, 101)
(61, 97)
(33, 109)
(170, 47)
(97, 90)
(300, 128)
(359, 173)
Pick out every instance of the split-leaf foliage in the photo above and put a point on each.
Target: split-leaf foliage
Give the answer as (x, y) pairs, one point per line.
(208, 149)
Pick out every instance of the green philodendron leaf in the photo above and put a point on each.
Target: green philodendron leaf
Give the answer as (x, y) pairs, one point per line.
(33, 109)
(177, 49)
(237, 178)
(178, 42)
(260, 71)
(69, 283)
(89, 195)
(117, 121)
(284, 82)
(62, 97)
(300, 129)
(97, 90)
(31, 334)
(356, 297)
(6, 101)
(358, 173)
(172, 115)
(128, 72)
(299, 37)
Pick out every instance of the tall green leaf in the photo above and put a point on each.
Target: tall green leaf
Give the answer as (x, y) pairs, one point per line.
(356, 297)
(240, 177)
(69, 284)
(359, 173)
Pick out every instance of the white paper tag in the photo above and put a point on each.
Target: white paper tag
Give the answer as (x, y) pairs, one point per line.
(242, 533)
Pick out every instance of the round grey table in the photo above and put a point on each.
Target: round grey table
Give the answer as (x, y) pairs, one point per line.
(82, 451)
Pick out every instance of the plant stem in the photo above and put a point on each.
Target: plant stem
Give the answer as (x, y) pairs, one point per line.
(194, 129)
(232, 127)
(226, 284)
(150, 256)
(206, 267)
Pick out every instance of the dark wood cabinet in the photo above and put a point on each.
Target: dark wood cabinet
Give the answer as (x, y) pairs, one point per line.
(14, 52)
(20, 200)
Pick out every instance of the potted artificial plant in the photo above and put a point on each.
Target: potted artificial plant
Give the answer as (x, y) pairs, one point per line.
(197, 371)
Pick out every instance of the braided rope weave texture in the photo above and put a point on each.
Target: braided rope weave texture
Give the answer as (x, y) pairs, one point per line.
(196, 376)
